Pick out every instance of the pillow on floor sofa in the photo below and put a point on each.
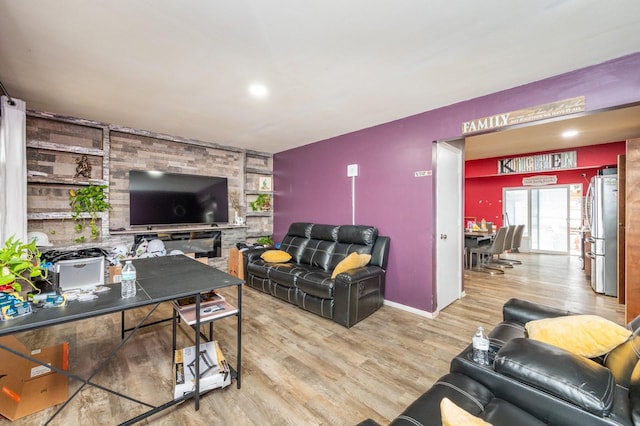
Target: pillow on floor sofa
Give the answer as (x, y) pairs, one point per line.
(452, 415)
(354, 260)
(275, 256)
(587, 335)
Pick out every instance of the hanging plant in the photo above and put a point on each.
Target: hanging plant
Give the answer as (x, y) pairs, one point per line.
(92, 201)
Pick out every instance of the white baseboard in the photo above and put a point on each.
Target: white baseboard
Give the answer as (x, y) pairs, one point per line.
(430, 315)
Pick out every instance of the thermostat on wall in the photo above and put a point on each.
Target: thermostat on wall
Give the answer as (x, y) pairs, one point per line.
(352, 170)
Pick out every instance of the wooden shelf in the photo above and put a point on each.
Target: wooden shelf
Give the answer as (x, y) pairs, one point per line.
(61, 215)
(66, 181)
(257, 234)
(258, 192)
(258, 171)
(258, 214)
(51, 146)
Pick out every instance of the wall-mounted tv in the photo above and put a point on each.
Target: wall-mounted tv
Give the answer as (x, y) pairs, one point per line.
(161, 198)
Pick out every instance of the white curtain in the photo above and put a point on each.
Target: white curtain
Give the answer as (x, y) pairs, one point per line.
(13, 170)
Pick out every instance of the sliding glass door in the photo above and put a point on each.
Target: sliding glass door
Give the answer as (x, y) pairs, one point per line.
(545, 211)
(550, 219)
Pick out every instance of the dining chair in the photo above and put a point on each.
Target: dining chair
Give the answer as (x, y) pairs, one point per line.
(517, 240)
(485, 253)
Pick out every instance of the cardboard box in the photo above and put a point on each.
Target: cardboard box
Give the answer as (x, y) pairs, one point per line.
(27, 387)
(214, 370)
(115, 273)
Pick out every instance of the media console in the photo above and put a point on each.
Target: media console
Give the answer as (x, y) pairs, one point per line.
(202, 243)
(203, 240)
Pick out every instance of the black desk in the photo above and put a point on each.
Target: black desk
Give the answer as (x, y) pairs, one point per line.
(160, 279)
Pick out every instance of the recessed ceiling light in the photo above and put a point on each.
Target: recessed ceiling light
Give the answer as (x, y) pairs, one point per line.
(258, 90)
(570, 134)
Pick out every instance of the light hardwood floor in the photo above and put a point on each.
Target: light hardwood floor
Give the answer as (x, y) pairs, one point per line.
(299, 369)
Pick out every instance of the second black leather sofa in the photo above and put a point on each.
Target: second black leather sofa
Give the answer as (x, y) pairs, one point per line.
(533, 383)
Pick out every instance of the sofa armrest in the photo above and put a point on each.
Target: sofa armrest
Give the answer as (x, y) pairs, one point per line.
(357, 294)
(250, 255)
(253, 254)
(355, 275)
(567, 376)
(521, 311)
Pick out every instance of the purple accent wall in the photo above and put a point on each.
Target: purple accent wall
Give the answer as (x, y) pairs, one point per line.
(311, 183)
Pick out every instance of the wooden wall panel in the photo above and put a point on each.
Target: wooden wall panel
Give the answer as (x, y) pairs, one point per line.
(632, 229)
(622, 196)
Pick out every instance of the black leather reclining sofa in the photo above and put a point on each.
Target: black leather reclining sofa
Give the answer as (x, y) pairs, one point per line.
(531, 383)
(306, 281)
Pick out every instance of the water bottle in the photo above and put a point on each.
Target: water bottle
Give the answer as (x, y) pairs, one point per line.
(128, 280)
(480, 347)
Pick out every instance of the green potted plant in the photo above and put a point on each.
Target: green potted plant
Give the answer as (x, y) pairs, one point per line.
(262, 203)
(20, 263)
(90, 200)
(266, 241)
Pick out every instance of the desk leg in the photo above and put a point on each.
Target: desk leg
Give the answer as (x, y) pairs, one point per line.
(239, 333)
(174, 340)
(197, 351)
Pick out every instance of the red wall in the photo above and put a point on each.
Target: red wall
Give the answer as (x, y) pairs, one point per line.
(483, 186)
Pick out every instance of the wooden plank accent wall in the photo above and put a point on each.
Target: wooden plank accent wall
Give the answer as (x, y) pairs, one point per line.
(632, 229)
(137, 152)
(55, 142)
(622, 197)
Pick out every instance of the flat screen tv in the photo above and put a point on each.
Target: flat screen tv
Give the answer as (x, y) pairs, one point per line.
(160, 198)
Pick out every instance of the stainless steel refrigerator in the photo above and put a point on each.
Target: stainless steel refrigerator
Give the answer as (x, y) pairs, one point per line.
(602, 218)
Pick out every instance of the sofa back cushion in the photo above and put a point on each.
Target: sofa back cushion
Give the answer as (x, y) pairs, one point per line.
(357, 234)
(296, 240)
(353, 238)
(622, 360)
(324, 246)
(321, 245)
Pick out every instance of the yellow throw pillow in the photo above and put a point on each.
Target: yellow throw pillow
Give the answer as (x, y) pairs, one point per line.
(275, 256)
(587, 335)
(452, 415)
(352, 261)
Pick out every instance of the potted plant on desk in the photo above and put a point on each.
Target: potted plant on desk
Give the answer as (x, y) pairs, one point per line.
(20, 264)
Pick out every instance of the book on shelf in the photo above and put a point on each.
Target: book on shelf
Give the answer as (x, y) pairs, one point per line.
(209, 296)
(208, 311)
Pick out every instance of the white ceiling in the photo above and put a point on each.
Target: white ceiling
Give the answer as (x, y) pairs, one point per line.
(182, 67)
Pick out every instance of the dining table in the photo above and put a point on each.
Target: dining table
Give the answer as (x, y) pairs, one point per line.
(475, 239)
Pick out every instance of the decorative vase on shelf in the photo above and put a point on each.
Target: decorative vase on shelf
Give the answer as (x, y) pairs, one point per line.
(238, 220)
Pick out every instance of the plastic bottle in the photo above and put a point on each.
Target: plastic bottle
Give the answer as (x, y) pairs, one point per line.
(128, 280)
(480, 347)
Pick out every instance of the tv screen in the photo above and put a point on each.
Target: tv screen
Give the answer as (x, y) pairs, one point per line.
(160, 198)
